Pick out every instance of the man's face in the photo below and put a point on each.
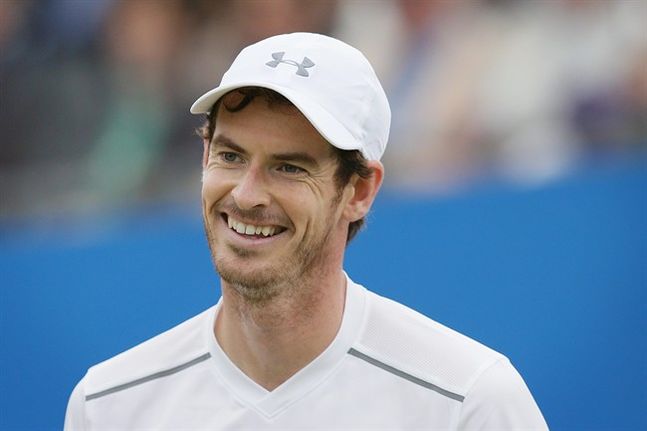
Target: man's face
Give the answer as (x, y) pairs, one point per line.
(272, 211)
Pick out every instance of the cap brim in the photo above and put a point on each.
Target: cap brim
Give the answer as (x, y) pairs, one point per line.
(327, 126)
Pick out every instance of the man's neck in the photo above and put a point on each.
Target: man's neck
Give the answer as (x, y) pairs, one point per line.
(272, 341)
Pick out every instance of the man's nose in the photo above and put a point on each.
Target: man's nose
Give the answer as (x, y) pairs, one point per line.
(251, 190)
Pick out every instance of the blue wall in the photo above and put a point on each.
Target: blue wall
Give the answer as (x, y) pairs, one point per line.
(555, 277)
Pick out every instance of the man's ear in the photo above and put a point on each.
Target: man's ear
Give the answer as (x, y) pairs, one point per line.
(363, 192)
(205, 152)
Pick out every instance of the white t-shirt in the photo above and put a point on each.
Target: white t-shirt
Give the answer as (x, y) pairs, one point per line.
(389, 368)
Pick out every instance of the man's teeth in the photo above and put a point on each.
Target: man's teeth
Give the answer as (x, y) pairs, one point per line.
(250, 229)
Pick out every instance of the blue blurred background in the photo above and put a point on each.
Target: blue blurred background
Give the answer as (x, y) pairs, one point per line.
(514, 208)
(554, 277)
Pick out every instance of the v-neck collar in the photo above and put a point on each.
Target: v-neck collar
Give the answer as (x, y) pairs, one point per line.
(270, 403)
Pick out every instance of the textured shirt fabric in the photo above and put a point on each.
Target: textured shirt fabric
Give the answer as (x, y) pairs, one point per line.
(389, 368)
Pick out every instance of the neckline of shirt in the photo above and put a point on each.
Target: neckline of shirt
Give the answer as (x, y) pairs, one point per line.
(271, 403)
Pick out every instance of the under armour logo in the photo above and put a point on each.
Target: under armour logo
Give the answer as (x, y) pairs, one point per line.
(301, 67)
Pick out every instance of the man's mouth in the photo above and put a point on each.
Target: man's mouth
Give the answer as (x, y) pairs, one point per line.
(252, 229)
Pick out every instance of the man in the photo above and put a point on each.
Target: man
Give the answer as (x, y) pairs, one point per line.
(291, 166)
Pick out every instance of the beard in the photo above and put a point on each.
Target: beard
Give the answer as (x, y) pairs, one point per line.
(261, 285)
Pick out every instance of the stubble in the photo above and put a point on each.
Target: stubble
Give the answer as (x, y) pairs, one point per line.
(261, 286)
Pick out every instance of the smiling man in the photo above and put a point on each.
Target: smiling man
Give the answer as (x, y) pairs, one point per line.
(292, 144)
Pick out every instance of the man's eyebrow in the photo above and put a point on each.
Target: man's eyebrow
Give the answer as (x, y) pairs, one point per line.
(224, 141)
(299, 157)
(295, 156)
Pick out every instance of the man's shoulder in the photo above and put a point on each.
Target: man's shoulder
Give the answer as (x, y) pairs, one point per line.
(417, 346)
(175, 348)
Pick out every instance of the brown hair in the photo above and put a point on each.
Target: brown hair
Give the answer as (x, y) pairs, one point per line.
(349, 162)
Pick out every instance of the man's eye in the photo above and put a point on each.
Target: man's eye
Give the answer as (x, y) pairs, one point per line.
(229, 157)
(290, 169)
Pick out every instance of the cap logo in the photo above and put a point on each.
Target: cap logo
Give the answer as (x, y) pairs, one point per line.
(301, 67)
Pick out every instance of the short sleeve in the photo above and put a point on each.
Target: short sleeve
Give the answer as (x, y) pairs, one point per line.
(75, 413)
(500, 400)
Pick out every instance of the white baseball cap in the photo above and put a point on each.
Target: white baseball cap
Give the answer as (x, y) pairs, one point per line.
(329, 81)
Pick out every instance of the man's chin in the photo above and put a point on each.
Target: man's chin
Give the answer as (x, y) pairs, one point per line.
(241, 252)
(253, 284)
